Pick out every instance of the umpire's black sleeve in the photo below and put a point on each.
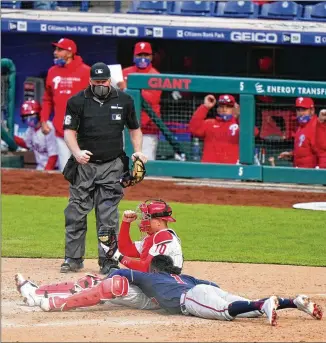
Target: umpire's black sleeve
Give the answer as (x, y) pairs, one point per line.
(131, 117)
(73, 111)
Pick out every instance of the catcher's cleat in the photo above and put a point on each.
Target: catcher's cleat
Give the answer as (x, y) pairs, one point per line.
(269, 308)
(27, 290)
(71, 265)
(304, 304)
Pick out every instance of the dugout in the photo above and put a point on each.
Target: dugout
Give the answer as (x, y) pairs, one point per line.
(32, 55)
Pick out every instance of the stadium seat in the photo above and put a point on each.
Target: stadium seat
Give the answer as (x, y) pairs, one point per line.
(283, 10)
(149, 7)
(236, 9)
(192, 8)
(79, 5)
(11, 4)
(315, 13)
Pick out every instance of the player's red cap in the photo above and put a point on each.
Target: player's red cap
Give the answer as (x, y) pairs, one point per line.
(30, 107)
(304, 102)
(66, 44)
(226, 99)
(265, 63)
(143, 48)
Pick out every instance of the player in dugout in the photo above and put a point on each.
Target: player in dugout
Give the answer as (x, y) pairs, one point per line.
(304, 153)
(220, 134)
(44, 146)
(143, 56)
(321, 139)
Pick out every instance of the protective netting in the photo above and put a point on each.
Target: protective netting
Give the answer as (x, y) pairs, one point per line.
(275, 121)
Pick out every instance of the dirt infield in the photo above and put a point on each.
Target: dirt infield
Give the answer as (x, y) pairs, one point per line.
(113, 323)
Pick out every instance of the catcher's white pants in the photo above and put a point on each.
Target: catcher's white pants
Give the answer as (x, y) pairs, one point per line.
(149, 147)
(63, 151)
(209, 302)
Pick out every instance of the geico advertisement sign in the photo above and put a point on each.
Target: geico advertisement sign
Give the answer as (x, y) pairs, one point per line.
(129, 31)
(259, 37)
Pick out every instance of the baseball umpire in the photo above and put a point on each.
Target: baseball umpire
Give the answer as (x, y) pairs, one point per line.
(93, 130)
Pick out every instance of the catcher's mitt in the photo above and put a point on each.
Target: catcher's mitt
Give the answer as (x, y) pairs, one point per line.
(109, 243)
(135, 175)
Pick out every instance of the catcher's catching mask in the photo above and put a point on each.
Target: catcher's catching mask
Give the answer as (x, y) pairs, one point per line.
(151, 209)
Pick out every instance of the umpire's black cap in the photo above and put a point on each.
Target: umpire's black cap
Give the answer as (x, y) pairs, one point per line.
(100, 71)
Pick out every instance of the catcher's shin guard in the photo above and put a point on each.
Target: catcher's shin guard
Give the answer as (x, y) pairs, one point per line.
(64, 289)
(116, 286)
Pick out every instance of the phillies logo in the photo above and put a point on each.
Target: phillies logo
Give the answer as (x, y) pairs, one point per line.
(301, 140)
(234, 128)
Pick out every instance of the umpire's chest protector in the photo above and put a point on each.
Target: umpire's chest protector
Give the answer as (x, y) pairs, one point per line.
(101, 125)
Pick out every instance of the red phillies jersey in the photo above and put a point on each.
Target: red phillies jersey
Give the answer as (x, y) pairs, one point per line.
(164, 242)
(61, 84)
(153, 97)
(221, 138)
(321, 144)
(304, 151)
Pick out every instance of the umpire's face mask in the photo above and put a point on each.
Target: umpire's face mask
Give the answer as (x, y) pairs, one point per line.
(100, 89)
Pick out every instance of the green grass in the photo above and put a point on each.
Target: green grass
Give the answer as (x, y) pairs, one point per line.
(34, 227)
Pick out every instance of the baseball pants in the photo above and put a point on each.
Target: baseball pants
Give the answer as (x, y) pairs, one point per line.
(209, 302)
(96, 185)
(63, 153)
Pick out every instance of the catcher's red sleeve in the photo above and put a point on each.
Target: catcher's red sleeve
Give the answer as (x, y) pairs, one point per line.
(142, 266)
(125, 244)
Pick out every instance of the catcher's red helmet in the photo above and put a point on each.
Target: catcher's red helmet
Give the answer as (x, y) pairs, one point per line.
(30, 107)
(154, 208)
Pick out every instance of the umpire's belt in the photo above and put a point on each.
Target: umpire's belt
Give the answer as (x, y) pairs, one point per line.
(102, 161)
(182, 304)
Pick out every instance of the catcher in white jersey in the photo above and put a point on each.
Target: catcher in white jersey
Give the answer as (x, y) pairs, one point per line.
(44, 146)
(159, 240)
(154, 215)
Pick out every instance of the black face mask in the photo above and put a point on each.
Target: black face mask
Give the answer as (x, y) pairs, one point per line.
(100, 91)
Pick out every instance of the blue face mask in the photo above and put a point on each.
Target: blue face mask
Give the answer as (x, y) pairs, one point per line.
(303, 119)
(59, 62)
(142, 62)
(226, 117)
(32, 121)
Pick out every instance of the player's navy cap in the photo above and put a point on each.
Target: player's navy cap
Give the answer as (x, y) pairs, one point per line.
(100, 71)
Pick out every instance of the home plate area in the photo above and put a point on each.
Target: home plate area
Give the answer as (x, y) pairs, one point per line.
(115, 323)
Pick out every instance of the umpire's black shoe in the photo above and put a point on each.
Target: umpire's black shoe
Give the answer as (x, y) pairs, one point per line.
(107, 266)
(71, 265)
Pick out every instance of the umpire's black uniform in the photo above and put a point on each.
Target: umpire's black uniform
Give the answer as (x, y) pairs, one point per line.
(99, 123)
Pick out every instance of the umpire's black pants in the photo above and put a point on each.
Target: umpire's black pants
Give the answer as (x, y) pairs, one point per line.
(96, 185)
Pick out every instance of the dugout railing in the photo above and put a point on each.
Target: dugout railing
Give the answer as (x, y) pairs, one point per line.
(247, 89)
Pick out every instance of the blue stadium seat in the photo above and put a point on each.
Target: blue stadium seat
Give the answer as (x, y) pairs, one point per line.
(315, 13)
(11, 4)
(81, 6)
(236, 9)
(150, 7)
(192, 8)
(283, 10)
